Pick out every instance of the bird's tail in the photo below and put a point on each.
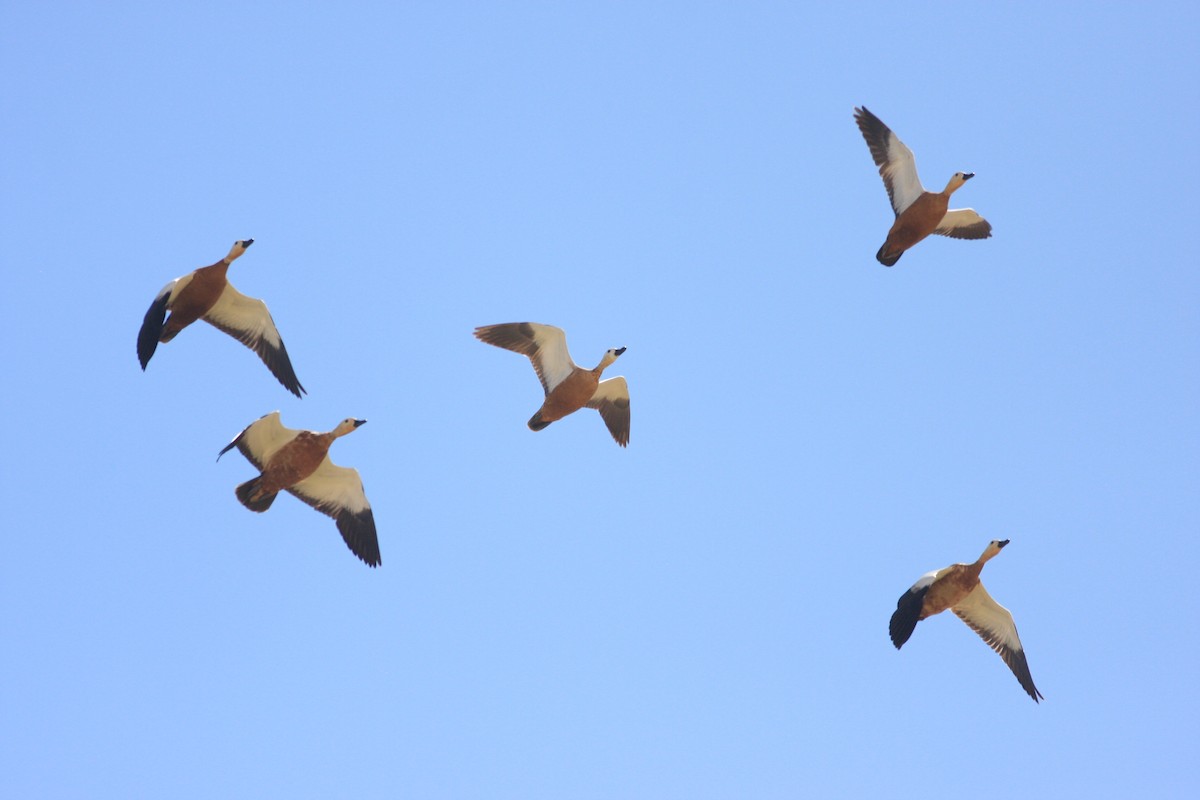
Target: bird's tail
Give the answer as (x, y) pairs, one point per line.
(252, 497)
(887, 258)
(536, 423)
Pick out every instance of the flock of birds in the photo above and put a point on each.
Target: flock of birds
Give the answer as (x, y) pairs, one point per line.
(298, 462)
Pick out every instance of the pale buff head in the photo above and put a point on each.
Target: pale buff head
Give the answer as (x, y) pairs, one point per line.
(347, 425)
(957, 180)
(238, 248)
(610, 356)
(993, 549)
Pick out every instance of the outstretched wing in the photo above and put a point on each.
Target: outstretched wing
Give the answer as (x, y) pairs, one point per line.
(964, 223)
(995, 626)
(611, 399)
(261, 440)
(897, 165)
(908, 610)
(545, 345)
(338, 492)
(247, 320)
(152, 323)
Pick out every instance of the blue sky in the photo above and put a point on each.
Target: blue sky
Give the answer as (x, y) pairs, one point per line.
(703, 615)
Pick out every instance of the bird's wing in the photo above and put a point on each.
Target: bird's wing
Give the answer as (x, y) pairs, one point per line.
(964, 223)
(338, 492)
(611, 399)
(897, 165)
(261, 440)
(908, 610)
(995, 625)
(247, 320)
(545, 345)
(152, 323)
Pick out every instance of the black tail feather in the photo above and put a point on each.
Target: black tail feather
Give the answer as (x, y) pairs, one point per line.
(247, 493)
(884, 258)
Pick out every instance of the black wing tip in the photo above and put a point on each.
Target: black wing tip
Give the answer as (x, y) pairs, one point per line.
(280, 364)
(515, 336)
(151, 330)
(866, 120)
(147, 343)
(358, 532)
(1026, 682)
(897, 632)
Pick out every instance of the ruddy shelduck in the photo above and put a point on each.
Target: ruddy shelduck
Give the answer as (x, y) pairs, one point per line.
(568, 387)
(918, 212)
(206, 294)
(298, 462)
(957, 588)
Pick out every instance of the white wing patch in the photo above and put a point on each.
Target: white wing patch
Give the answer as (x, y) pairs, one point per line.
(174, 288)
(899, 174)
(925, 580)
(244, 318)
(552, 361)
(988, 618)
(332, 489)
(263, 438)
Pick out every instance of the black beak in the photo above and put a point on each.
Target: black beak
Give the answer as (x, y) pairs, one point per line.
(246, 243)
(1001, 544)
(619, 350)
(968, 175)
(358, 422)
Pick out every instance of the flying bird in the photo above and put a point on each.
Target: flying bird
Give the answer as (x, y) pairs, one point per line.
(957, 588)
(918, 212)
(298, 462)
(568, 387)
(206, 294)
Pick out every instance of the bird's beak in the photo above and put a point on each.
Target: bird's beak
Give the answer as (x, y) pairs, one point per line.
(358, 422)
(619, 350)
(968, 175)
(246, 243)
(1001, 544)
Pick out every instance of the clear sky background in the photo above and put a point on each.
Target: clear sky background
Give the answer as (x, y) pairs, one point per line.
(704, 614)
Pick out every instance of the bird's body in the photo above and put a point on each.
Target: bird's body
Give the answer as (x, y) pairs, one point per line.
(568, 387)
(958, 588)
(918, 221)
(292, 463)
(919, 213)
(298, 462)
(207, 294)
(568, 397)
